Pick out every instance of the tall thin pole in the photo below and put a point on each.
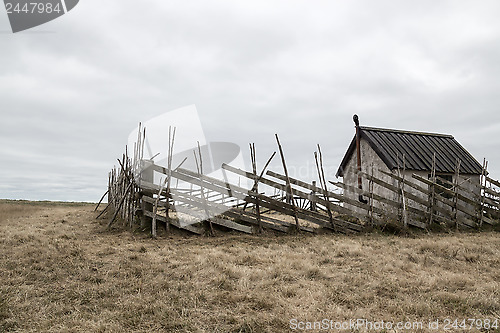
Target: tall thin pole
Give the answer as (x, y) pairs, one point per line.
(432, 192)
(322, 180)
(289, 189)
(455, 196)
(484, 173)
(256, 184)
(202, 192)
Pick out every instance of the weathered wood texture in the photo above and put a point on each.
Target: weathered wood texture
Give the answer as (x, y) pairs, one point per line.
(414, 201)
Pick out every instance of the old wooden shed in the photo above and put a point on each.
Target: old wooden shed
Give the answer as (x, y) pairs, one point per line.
(378, 151)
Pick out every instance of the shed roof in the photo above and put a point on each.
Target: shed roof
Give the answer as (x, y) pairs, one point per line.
(418, 149)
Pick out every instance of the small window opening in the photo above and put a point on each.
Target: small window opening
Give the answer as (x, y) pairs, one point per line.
(446, 181)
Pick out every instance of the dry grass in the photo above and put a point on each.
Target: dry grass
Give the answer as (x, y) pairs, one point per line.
(61, 271)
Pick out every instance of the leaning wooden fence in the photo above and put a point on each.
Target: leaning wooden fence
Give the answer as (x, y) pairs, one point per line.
(205, 204)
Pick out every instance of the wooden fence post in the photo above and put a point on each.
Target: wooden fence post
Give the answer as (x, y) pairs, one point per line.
(403, 213)
(432, 190)
(255, 187)
(171, 139)
(289, 190)
(322, 181)
(155, 208)
(455, 196)
(205, 204)
(370, 188)
(484, 174)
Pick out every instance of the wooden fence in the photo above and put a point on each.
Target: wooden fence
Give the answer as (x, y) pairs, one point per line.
(204, 204)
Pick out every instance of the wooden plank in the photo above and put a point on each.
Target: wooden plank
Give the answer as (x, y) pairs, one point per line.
(395, 189)
(493, 181)
(447, 213)
(150, 188)
(211, 185)
(491, 205)
(415, 198)
(152, 201)
(237, 213)
(408, 194)
(315, 217)
(492, 192)
(197, 202)
(467, 222)
(384, 200)
(239, 195)
(297, 182)
(492, 202)
(242, 194)
(201, 180)
(289, 225)
(334, 207)
(446, 201)
(247, 195)
(495, 213)
(246, 216)
(287, 209)
(458, 207)
(444, 189)
(279, 186)
(190, 227)
(489, 221)
(304, 214)
(208, 182)
(407, 182)
(220, 221)
(462, 188)
(232, 225)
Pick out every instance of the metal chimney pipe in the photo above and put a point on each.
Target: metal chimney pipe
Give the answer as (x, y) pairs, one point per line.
(358, 155)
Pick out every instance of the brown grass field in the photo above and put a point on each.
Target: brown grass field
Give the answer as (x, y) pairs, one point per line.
(62, 271)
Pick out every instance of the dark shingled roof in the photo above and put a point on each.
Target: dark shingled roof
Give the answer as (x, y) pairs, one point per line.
(418, 149)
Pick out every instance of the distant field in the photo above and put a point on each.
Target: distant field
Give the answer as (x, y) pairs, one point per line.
(61, 270)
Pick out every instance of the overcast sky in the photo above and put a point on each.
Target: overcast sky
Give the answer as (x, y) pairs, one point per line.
(72, 90)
